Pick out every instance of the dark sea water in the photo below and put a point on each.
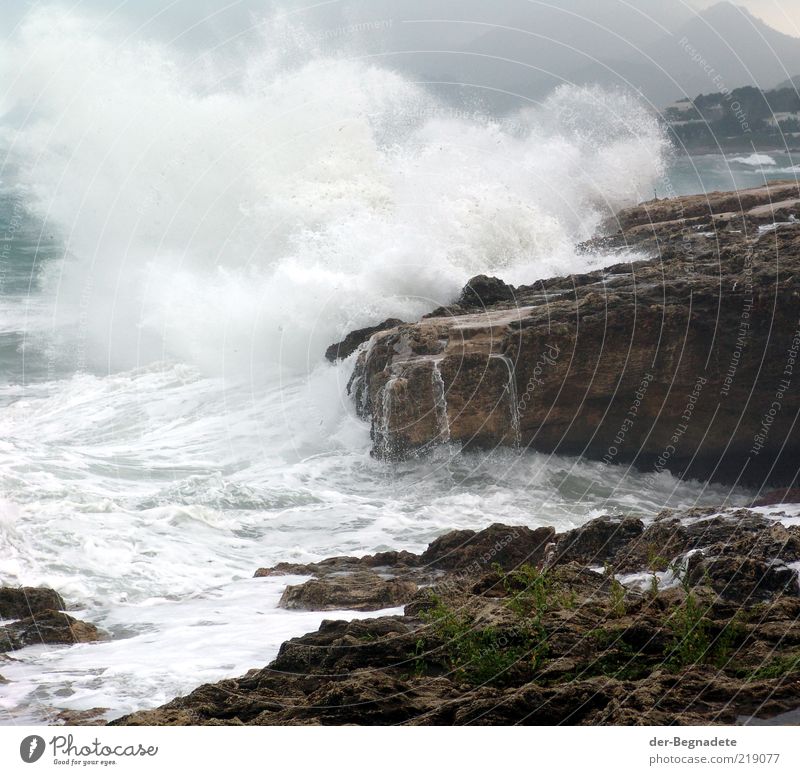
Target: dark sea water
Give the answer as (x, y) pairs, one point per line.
(718, 172)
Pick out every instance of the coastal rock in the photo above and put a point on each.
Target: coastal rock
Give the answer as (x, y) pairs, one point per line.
(399, 562)
(684, 362)
(93, 717)
(744, 579)
(740, 532)
(598, 541)
(355, 339)
(508, 642)
(47, 627)
(22, 602)
(508, 547)
(482, 291)
(361, 591)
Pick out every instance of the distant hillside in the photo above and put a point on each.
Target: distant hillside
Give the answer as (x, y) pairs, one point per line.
(520, 50)
(789, 83)
(744, 117)
(721, 48)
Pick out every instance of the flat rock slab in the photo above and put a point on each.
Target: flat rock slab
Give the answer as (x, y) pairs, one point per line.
(360, 591)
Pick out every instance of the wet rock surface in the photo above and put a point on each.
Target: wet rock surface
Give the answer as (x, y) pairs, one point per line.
(47, 628)
(22, 602)
(499, 632)
(354, 339)
(683, 361)
(360, 591)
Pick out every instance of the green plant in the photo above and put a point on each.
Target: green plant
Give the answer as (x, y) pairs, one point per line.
(656, 561)
(616, 592)
(723, 645)
(530, 597)
(529, 592)
(477, 655)
(778, 667)
(568, 599)
(691, 643)
(487, 654)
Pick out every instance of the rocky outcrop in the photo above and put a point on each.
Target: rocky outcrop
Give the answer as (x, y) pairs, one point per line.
(22, 602)
(37, 618)
(506, 547)
(354, 339)
(520, 631)
(47, 627)
(683, 361)
(482, 291)
(360, 591)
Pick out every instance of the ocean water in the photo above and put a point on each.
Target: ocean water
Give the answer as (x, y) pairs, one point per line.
(178, 247)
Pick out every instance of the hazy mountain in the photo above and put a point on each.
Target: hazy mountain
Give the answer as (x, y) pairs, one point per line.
(526, 48)
(721, 48)
(789, 83)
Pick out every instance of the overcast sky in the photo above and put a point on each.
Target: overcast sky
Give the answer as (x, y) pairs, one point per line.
(783, 15)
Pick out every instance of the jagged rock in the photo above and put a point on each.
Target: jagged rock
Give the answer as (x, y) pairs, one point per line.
(399, 562)
(598, 541)
(323, 568)
(740, 532)
(515, 629)
(745, 580)
(509, 547)
(93, 717)
(47, 627)
(482, 291)
(677, 363)
(355, 339)
(757, 204)
(22, 602)
(361, 591)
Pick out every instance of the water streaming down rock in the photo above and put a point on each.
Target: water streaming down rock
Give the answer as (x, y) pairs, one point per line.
(440, 402)
(513, 401)
(604, 357)
(383, 433)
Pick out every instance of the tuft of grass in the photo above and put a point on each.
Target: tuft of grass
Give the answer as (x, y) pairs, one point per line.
(778, 667)
(616, 593)
(481, 655)
(693, 642)
(475, 655)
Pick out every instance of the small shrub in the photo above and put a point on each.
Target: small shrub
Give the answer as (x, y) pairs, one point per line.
(778, 667)
(616, 593)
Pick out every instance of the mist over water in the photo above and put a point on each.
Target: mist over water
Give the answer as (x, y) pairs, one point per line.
(186, 239)
(247, 222)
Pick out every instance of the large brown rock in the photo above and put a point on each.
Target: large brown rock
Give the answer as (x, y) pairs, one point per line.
(361, 591)
(598, 541)
(22, 602)
(47, 628)
(744, 579)
(475, 552)
(684, 362)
